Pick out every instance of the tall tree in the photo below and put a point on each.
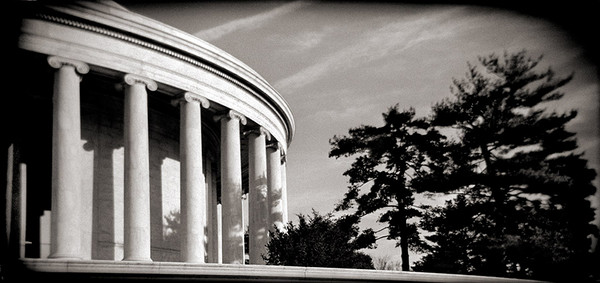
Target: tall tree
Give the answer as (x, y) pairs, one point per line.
(321, 241)
(522, 187)
(386, 158)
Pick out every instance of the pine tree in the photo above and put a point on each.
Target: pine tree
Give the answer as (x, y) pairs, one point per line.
(380, 177)
(522, 187)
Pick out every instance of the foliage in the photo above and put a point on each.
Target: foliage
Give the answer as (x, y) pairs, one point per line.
(521, 208)
(521, 189)
(321, 241)
(385, 158)
(172, 226)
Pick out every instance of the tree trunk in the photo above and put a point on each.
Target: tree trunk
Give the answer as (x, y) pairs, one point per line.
(404, 241)
(497, 194)
(404, 249)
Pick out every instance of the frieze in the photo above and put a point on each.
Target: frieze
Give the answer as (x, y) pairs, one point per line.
(155, 47)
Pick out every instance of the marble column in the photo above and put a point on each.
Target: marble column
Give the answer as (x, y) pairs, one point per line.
(66, 146)
(213, 216)
(231, 188)
(193, 186)
(275, 192)
(209, 239)
(219, 233)
(137, 169)
(284, 199)
(257, 195)
(16, 204)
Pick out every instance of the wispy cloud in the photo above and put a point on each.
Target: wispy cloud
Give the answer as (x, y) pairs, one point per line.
(391, 38)
(249, 22)
(302, 41)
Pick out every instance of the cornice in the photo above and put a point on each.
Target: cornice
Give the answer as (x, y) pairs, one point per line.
(136, 41)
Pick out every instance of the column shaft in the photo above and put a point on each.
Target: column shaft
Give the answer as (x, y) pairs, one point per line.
(193, 187)
(214, 216)
(231, 190)
(219, 233)
(137, 171)
(16, 204)
(209, 239)
(284, 198)
(275, 192)
(66, 139)
(257, 197)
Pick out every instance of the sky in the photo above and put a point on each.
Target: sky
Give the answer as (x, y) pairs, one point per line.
(341, 64)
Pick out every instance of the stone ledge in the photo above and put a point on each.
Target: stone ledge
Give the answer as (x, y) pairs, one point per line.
(104, 270)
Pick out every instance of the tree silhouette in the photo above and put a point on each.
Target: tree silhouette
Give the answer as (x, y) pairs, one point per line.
(521, 207)
(321, 241)
(520, 187)
(386, 159)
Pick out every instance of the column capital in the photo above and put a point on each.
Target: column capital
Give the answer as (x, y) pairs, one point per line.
(283, 156)
(232, 114)
(275, 145)
(258, 131)
(132, 79)
(191, 97)
(57, 62)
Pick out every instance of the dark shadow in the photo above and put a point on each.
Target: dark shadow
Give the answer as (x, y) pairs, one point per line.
(34, 118)
(102, 129)
(163, 134)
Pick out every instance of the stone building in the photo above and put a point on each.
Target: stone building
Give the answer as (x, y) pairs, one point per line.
(124, 121)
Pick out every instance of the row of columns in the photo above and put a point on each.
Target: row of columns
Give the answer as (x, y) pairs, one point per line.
(266, 207)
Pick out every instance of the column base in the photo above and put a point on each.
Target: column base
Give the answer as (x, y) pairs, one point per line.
(64, 256)
(137, 259)
(194, 261)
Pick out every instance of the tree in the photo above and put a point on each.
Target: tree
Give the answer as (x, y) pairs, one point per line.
(387, 158)
(320, 241)
(173, 224)
(521, 208)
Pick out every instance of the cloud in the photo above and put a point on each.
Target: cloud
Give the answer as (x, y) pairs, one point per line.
(391, 38)
(302, 41)
(251, 22)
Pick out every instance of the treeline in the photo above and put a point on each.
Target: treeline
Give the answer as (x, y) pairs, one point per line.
(518, 187)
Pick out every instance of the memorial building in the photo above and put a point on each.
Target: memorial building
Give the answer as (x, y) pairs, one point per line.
(123, 121)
